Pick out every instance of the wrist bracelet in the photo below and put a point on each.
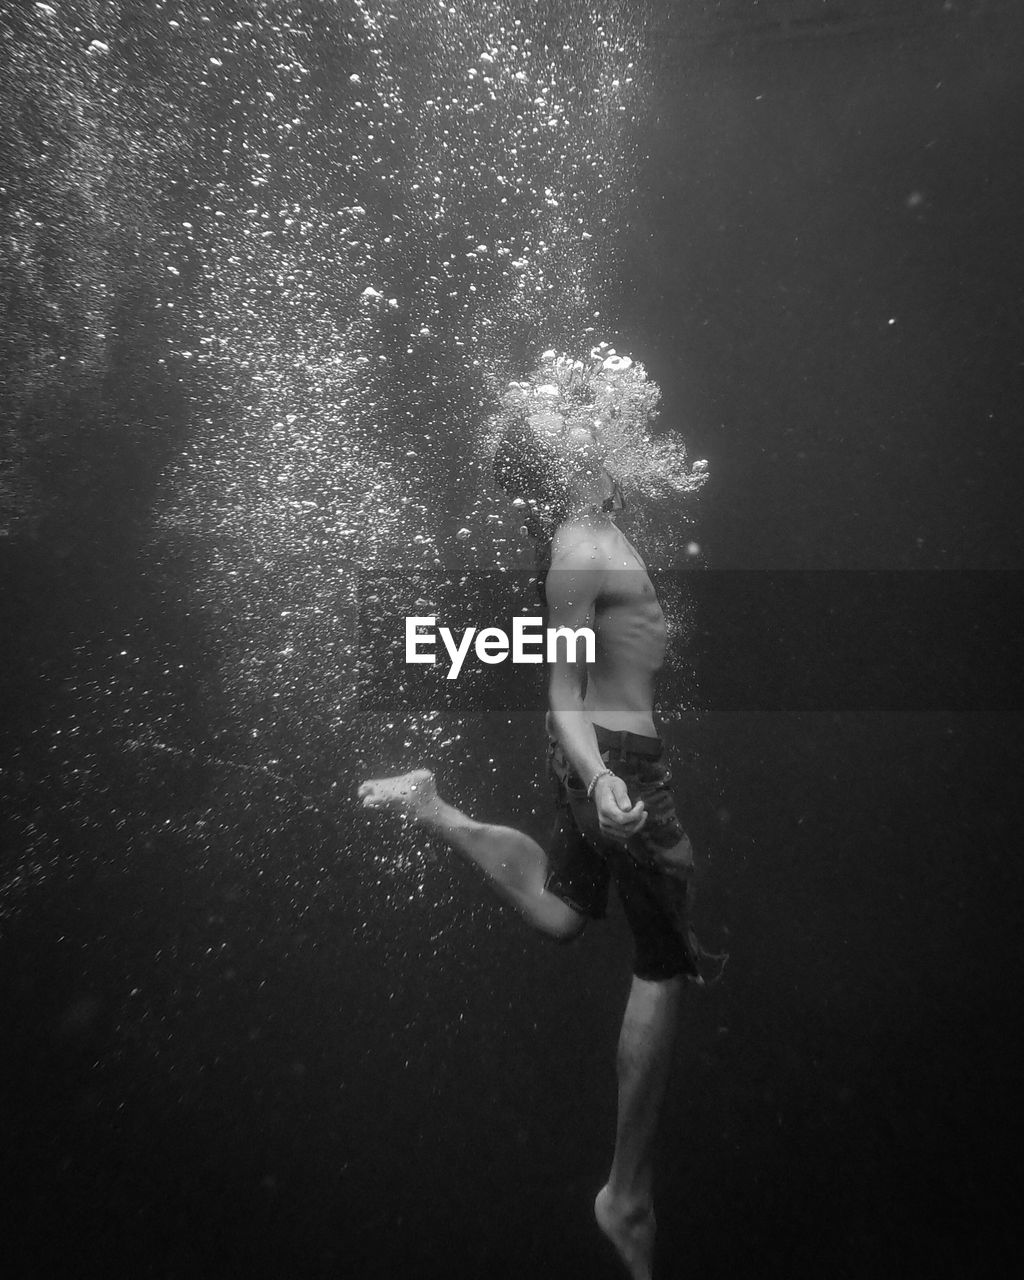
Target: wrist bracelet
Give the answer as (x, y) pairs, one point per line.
(601, 773)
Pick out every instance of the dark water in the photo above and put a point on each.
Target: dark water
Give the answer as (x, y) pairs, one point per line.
(246, 1031)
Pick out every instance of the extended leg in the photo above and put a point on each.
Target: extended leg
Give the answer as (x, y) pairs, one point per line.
(515, 865)
(624, 1207)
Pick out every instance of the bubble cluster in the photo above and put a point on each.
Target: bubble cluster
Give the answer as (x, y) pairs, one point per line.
(383, 251)
(289, 253)
(610, 400)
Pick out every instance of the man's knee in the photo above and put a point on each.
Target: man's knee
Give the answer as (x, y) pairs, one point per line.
(568, 926)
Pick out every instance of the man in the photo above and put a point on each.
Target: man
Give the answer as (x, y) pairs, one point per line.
(617, 817)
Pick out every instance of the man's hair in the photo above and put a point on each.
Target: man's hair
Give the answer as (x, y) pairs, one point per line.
(526, 467)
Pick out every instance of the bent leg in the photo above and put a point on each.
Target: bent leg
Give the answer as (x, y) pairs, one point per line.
(624, 1207)
(516, 866)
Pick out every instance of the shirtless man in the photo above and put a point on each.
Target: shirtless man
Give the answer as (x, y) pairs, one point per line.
(617, 818)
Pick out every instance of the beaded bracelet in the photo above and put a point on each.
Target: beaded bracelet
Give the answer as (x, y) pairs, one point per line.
(601, 773)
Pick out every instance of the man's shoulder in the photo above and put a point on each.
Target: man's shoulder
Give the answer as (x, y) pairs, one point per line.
(577, 544)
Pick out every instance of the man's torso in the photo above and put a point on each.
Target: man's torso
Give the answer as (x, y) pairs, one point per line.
(631, 636)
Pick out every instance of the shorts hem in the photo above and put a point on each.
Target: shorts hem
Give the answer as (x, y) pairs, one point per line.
(570, 900)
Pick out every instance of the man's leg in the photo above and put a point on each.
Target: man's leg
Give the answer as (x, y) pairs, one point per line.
(624, 1207)
(515, 866)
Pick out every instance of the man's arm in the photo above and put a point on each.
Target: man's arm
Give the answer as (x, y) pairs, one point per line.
(572, 587)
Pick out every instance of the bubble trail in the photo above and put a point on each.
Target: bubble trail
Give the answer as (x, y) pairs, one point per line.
(328, 233)
(140, 745)
(400, 214)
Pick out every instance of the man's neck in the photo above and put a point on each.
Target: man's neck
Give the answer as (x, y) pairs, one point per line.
(589, 503)
(590, 513)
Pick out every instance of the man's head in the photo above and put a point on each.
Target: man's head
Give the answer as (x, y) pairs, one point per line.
(552, 466)
(526, 466)
(572, 422)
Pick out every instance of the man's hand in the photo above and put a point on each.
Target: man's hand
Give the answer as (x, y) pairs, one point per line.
(617, 818)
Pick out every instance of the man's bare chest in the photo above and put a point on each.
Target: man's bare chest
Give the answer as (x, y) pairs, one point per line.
(626, 587)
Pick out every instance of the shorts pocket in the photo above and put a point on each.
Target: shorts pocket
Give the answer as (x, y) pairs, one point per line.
(573, 781)
(674, 857)
(653, 774)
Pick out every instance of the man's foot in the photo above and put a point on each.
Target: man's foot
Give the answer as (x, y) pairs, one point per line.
(631, 1231)
(409, 793)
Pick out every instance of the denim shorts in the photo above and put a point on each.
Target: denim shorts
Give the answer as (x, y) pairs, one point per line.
(653, 870)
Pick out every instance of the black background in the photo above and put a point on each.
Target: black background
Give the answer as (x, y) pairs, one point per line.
(404, 1099)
